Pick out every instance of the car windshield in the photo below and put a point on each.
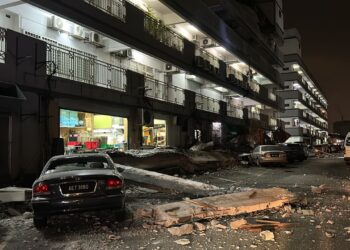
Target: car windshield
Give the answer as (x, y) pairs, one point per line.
(271, 148)
(78, 163)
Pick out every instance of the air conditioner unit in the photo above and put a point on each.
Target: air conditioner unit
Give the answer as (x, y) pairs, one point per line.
(56, 23)
(207, 42)
(125, 53)
(96, 39)
(78, 32)
(170, 68)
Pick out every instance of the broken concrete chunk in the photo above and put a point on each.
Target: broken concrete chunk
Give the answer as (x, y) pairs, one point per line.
(330, 234)
(307, 212)
(182, 212)
(330, 222)
(318, 190)
(220, 226)
(182, 242)
(27, 215)
(267, 235)
(182, 230)
(237, 224)
(199, 226)
(13, 212)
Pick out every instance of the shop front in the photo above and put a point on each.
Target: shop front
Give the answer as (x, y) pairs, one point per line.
(83, 131)
(155, 135)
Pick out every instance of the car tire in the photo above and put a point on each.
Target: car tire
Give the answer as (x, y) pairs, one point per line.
(39, 221)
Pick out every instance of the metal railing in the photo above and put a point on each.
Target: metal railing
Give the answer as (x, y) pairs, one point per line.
(235, 111)
(114, 8)
(207, 104)
(69, 64)
(253, 115)
(161, 91)
(2, 45)
(254, 86)
(162, 33)
(273, 122)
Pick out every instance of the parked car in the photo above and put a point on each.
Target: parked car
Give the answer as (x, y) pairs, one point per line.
(295, 151)
(269, 155)
(77, 183)
(347, 149)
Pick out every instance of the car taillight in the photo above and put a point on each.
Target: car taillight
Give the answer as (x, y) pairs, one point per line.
(114, 183)
(41, 189)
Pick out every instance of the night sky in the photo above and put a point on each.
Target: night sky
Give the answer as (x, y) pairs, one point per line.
(324, 27)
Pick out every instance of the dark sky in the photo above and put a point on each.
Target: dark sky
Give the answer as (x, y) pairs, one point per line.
(325, 29)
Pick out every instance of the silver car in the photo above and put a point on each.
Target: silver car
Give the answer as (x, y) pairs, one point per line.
(269, 155)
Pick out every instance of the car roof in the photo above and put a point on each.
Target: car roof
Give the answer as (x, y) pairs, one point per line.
(78, 156)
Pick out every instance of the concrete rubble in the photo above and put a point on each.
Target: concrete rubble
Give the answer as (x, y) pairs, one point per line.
(219, 206)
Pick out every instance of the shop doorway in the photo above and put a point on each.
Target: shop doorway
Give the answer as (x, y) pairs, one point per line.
(216, 132)
(83, 131)
(156, 135)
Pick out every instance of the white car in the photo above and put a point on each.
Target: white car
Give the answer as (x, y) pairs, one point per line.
(269, 155)
(347, 149)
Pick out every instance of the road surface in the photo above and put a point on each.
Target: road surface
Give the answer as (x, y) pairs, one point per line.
(324, 230)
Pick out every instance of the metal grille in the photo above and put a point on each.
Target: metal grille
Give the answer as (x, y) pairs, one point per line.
(114, 8)
(68, 64)
(207, 104)
(163, 33)
(2, 45)
(164, 92)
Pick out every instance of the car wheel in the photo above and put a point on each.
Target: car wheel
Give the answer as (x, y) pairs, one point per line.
(40, 222)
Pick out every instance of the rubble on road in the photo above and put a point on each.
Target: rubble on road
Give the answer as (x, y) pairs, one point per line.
(267, 235)
(167, 182)
(236, 224)
(199, 227)
(182, 242)
(181, 230)
(318, 190)
(218, 206)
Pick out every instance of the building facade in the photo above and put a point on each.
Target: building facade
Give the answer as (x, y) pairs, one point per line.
(305, 114)
(115, 74)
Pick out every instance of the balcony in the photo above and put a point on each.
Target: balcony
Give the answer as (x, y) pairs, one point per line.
(235, 111)
(207, 61)
(81, 67)
(254, 86)
(206, 103)
(164, 92)
(272, 97)
(163, 34)
(115, 8)
(2, 45)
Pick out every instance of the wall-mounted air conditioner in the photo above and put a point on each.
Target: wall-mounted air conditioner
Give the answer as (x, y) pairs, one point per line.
(78, 32)
(125, 53)
(171, 68)
(56, 23)
(95, 39)
(207, 42)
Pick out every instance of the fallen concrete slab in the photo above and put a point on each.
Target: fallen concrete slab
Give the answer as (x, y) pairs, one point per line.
(218, 206)
(168, 182)
(15, 194)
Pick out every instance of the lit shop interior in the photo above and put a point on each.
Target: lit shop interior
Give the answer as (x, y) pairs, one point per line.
(155, 136)
(83, 131)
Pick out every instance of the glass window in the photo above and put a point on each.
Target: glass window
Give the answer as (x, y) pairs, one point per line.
(156, 135)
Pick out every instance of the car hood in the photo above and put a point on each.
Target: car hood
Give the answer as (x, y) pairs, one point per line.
(78, 173)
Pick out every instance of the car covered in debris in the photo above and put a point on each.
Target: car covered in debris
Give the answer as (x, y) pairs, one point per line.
(269, 155)
(77, 183)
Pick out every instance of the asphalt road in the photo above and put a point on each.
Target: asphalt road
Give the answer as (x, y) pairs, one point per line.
(324, 230)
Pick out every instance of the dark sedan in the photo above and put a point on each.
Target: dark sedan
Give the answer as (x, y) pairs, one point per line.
(77, 183)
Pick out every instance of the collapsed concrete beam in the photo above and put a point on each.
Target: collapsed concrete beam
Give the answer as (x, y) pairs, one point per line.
(15, 194)
(168, 182)
(218, 206)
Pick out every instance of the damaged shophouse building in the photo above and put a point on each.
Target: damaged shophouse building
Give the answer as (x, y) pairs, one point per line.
(132, 74)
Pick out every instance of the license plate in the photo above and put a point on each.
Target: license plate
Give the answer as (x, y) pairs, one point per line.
(274, 155)
(83, 187)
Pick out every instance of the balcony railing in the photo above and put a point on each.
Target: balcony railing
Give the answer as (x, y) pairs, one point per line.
(253, 115)
(114, 8)
(2, 45)
(163, 34)
(69, 64)
(207, 104)
(254, 86)
(273, 122)
(235, 111)
(161, 91)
